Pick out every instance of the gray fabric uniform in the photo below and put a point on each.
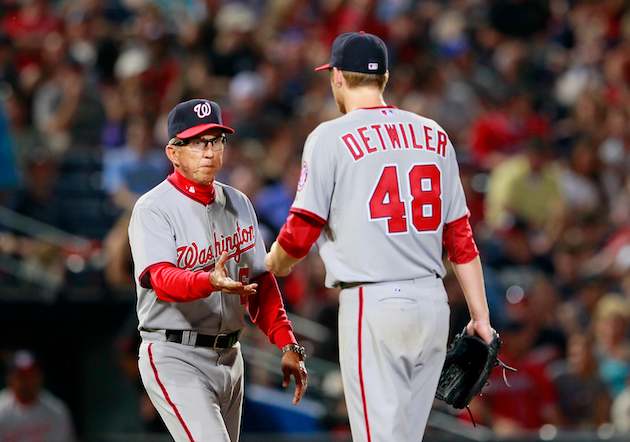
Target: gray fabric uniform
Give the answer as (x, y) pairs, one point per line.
(386, 181)
(197, 391)
(47, 420)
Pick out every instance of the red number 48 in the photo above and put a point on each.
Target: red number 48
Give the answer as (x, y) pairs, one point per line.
(425, 190)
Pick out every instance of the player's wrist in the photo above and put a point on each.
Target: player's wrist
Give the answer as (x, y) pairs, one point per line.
(295, 348)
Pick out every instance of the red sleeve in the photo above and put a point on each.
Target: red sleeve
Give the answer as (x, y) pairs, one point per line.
(267, 311)
(300, 232)
(172, 284)
(459, 242)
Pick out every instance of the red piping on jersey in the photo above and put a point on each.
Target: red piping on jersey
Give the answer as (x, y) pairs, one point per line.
(459, 242)
(166, 396)
(202, 193)
(365, 413)
(377, 107)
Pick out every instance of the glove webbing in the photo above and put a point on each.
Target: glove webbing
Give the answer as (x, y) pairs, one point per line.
(504, 367)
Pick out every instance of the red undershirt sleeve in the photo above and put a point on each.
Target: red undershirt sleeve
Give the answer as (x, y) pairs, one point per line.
(299, 233)
(459, 242)
(266, 310)
(172, 284)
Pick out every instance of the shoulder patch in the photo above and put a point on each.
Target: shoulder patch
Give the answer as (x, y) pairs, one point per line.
(303, 176)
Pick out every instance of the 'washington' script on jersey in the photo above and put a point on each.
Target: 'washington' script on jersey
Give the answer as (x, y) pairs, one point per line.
(192, 256)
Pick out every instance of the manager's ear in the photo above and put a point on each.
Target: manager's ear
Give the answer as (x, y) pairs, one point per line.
(172, 153)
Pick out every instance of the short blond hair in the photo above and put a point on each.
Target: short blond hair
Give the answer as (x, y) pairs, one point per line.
(357, 79)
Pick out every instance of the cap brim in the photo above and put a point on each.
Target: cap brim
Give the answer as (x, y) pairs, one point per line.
(324, 67)
(196, 130)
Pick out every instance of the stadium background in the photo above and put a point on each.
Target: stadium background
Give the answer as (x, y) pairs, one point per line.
(534, 94)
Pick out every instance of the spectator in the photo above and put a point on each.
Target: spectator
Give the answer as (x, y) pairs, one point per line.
(127, 174)
(582, 395)
(8, 170)
(621, 410)
(528, 187)
(67, 110)
(530, 400)
(613, 348)
(28, 412)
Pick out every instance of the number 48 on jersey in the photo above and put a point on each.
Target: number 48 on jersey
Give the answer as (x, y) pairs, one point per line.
(423, 182)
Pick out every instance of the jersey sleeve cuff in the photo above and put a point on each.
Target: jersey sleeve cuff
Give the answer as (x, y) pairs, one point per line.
(283, 336)
(318, 220)
(202, 284)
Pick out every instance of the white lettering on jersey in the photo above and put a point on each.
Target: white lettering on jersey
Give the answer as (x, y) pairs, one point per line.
(372, 139)
(202, 109)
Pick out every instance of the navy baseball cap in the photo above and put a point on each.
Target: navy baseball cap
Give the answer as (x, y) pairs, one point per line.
(194, 117)
(357, 52)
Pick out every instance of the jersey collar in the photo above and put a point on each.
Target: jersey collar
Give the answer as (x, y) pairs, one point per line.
(201, 193)
(376, 107)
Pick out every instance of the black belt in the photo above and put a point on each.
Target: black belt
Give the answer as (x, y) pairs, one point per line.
(348, 285)
(195, 339)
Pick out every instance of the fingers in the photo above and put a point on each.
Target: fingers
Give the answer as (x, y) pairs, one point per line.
(301, 380)
(301, 383)
(250, 289)
(286, 378)
(222, 259)
(237, 288)
(268, 263)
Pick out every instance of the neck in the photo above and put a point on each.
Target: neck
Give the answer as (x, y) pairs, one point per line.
(25, 401)
(359, 97)
(202, 193)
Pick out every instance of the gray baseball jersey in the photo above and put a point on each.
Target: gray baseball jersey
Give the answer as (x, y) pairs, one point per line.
(168, 226)
(386, 180)
(48, 420)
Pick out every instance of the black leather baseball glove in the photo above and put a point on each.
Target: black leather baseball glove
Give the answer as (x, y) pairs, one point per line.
(469, 362)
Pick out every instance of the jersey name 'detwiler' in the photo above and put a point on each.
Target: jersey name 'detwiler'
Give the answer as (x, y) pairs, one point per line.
(191, 256)
(395, 136)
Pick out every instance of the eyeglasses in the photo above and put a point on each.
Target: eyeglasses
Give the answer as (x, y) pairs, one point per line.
(201, 144)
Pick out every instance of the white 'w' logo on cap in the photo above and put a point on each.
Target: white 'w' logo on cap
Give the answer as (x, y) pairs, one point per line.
(202, 109)
(372, 66)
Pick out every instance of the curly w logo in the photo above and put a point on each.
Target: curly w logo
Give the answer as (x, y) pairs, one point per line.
(202, 109)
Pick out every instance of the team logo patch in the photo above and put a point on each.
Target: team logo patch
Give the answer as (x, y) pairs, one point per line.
(303, 176)
(372, 66)
(202, 109)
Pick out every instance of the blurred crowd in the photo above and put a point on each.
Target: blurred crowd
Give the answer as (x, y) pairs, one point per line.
(535, 96)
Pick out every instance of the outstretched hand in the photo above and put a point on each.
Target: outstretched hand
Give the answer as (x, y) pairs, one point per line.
(292, 365)
(278, 261)
(221, 281)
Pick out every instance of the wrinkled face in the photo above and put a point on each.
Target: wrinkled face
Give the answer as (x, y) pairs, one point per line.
(200, 158)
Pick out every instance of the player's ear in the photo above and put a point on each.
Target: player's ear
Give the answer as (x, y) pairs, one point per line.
(337, 77)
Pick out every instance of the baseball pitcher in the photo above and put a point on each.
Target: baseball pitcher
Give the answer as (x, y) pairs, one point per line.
(380, 193)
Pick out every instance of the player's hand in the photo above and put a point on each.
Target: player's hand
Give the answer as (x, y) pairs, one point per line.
(292, 365)
(482, 329)
(279, 262)
(221, 281)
